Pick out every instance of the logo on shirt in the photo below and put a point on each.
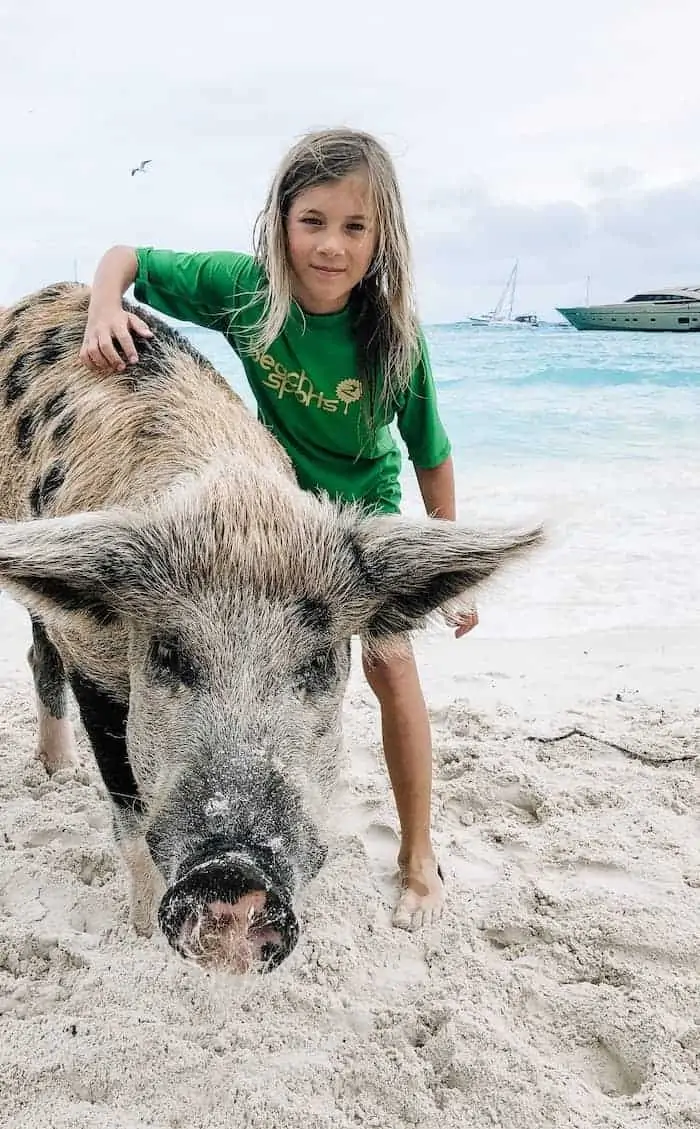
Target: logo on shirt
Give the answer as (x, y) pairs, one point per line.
(349, 391)
(297, 384)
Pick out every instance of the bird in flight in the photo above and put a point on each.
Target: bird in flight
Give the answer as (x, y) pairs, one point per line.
(141, 167)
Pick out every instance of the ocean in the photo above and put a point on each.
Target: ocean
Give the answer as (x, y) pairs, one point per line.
(597, 434)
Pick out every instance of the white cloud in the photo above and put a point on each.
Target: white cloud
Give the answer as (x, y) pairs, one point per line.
(527, 130)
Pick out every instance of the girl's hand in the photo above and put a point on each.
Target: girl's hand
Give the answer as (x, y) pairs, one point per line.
(463, 620)
(103, 329)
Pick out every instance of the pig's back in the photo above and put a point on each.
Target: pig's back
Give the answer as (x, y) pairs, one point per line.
(74, 440)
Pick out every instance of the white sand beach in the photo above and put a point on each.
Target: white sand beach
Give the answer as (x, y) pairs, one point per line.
(561, 988)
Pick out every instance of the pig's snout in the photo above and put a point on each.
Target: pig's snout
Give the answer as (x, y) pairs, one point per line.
(224, 909)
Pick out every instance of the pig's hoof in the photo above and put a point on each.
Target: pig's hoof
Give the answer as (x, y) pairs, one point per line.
(146, 884)
(141, 920)
(225, 910)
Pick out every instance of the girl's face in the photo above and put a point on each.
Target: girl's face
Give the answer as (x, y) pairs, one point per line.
(331, 240)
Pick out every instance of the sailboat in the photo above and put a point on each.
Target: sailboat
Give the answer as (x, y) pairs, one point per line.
(502, 313)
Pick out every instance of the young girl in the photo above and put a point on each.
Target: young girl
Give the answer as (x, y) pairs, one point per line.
(323, 320)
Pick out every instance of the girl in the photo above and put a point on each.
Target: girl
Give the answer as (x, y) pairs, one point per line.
(323, 320)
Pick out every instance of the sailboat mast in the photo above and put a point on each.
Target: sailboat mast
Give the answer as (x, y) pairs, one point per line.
(512, 282)
(504, 307)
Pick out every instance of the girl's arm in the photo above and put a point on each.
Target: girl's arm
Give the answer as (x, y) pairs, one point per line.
(107, 320)
(437, 487)
(115, 273)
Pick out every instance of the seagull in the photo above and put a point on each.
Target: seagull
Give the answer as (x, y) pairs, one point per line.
(141, 167)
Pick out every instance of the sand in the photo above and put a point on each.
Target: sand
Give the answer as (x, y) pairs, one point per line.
(562, 987)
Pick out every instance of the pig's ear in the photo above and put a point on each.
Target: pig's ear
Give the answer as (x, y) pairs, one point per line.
(415, 567)
(87, 563)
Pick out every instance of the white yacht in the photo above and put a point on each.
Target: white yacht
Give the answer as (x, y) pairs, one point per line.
(674, 309)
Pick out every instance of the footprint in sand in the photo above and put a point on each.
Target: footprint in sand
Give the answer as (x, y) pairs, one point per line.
(507, 936)
(94, 917)
(60, 836)
(94, 866)
(608, 1070)
(474, 873)
(382, 846)
(605, 877)
(382, 843)
(523, 801)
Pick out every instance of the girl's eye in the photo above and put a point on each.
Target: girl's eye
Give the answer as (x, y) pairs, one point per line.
(312, 221)
(356, 227)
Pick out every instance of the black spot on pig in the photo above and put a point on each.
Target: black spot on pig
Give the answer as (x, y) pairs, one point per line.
(155, 353)
(63, 428)
(54, 405)
(9, 337)
(17, 379)
(314, 614)
(104, 719)
(49, 349)
(48, 670)
(45, 488)
(26, 428)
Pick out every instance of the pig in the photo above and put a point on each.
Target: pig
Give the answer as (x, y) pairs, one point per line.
(200, 606)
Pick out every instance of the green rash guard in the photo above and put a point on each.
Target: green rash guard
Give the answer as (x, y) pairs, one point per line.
(305, 383)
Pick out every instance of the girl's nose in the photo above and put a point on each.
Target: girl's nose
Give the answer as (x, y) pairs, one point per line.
(331, 243)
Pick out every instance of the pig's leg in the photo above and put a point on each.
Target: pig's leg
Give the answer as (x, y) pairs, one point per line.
(104, 719)
(56, 742)
(147, 885)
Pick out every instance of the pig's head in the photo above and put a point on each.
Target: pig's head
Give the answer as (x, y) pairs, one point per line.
(236, 616)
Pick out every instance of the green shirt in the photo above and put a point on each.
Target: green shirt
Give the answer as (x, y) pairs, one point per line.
(305, 384)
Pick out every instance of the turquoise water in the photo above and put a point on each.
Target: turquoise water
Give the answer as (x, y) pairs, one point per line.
(513, 395)
(596, 433)
(518, 394)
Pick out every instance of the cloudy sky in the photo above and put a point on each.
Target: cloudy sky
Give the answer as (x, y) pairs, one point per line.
(565, 135)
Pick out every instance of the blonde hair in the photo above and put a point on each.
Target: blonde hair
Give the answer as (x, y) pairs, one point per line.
(385, 323)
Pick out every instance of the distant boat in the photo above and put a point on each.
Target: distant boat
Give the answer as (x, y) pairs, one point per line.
(673, 309)
(502, 313)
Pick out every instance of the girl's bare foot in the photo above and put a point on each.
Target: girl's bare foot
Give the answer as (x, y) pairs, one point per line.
(422, 897)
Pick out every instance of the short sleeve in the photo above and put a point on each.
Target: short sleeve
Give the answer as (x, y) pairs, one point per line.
(418, 417)
(205, 288)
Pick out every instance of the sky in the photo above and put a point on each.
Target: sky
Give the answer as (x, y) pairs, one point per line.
(566, 136)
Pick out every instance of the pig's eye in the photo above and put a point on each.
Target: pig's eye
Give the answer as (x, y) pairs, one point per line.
(317, 674)
(169, 662)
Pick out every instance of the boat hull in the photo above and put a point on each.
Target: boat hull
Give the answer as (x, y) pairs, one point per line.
(637, 317)
(529, 321)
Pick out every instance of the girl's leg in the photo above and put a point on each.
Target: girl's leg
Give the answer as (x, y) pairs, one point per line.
(408, 753)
